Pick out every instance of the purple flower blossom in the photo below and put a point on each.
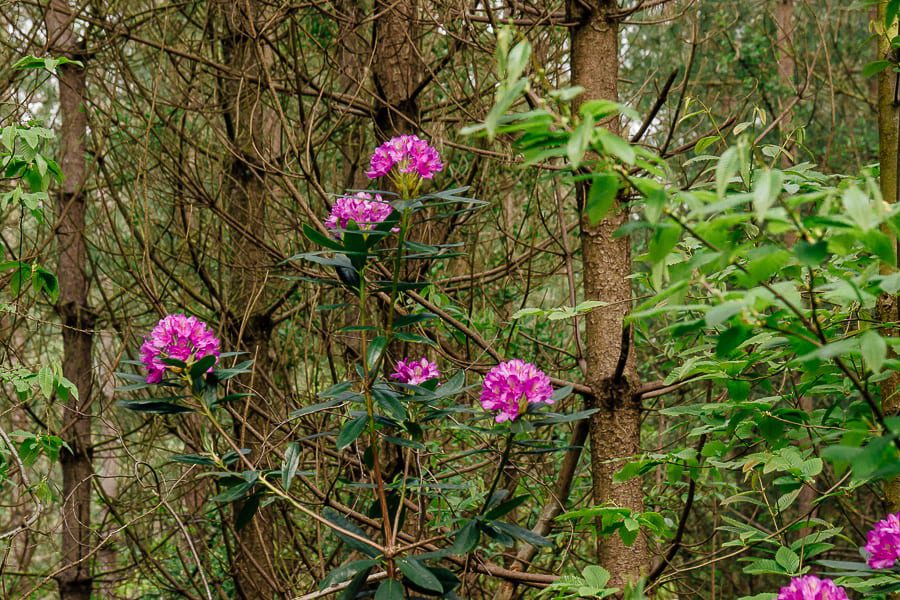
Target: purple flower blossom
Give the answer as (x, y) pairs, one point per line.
(511, 385)
(359, 208)
(883, 542)
(415, 372)
(810, 587)
(183, 338)
(409, 154)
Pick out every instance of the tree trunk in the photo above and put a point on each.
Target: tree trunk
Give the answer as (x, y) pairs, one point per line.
(394, 71)
(888, 139)
(75, 580)
(616, 429)
(254, 133)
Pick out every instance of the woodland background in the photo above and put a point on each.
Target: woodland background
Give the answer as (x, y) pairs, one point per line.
(198, 136)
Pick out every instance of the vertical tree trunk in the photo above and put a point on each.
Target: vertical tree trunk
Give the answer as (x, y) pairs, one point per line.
(75, 581)
(888, 139)
(253, 130)
(784, 45)
(615, 430)
(395, 40)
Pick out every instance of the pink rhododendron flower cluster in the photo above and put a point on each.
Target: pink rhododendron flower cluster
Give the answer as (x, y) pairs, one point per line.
(183, 338)
(810, 587)
(511, 386)
(883, 542)
(408, 154)
(415, 372)
(359, 208)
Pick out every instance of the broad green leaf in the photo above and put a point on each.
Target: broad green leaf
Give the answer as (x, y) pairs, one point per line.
(601, 196)
(766, 190)
(873, 349)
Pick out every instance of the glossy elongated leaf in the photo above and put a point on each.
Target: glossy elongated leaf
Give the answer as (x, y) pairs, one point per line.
(356, 585)
(337, 519)
(345, 572)
(350, 431)
(290, 464)
(389, 589)
(420, 575)
(202, 366)
(318, 407)
(317, 237)
(376, 347)
(159, 407)
(522, 534)
(466, 538)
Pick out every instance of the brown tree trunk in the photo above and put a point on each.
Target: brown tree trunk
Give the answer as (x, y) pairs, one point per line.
(254, 134)
(75, 580)
(394, 71)
(616, 429)
(888, 140)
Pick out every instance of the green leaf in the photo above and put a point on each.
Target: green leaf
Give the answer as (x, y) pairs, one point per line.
(466, 539)
(875, 67)
(194, 459)
(811, 254)
(373, 352)
(203, 365)
(873, 349)
(356, 584)
(248, 510)
(290, 464)
(234, 492)
(705, 142)
(881, 245)
(317, 237)
(664, 239)
(389, 590)
(506, 507)
(615, 146)
(890, 13)
(337, 519)
(858, 208)
(154, 406)
(517, 60)
(601, 196)
(420, 575)
(766, 190)
(579, 141)
(595, 576)
(345, 572)
(522, 534)
(726, 168)
(314, 408)
(351, 431)
(788, 560)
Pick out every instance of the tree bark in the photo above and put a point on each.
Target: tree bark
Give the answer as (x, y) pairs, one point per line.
(75, 580)
(889, 154)
(616, 429)
(254, 134)
(394, 72)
